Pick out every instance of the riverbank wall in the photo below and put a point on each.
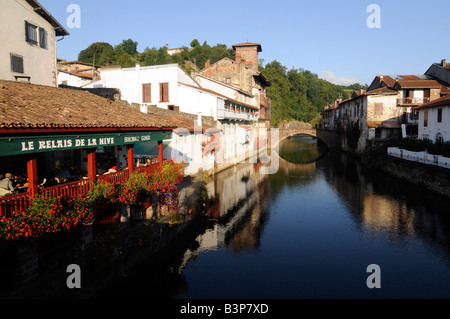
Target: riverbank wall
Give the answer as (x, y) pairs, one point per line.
(429, 177)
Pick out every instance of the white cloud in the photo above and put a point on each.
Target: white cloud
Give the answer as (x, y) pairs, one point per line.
(333, 78)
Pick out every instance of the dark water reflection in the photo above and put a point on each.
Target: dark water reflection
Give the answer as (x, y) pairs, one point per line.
(310, 231)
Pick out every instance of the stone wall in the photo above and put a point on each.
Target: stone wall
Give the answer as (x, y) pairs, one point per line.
(333, 139)
(435, 179)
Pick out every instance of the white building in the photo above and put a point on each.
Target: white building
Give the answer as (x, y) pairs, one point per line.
(434, 120)
(28, 40)
(169, 87)
(165, 86)
(73, 79)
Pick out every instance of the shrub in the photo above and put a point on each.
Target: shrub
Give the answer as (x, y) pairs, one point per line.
(44, 216)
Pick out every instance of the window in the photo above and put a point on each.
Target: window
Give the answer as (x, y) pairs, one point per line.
(42, 38)
(31, 33)
(164, 92)
(378, 111)
(146, 93)
(439, 115)
(17, 63)
(35, 35)
(425, 118)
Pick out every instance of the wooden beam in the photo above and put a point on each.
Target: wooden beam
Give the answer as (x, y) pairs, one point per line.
(92, 168)
(32, 178)
(130, 158)
(160, 152)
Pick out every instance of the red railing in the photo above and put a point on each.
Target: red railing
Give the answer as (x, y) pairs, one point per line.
(115, 178)
(150, 169)
(20, 202)
(13, 203)
(71, 189)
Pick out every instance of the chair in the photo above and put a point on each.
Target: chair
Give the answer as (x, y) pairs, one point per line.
(41, 185)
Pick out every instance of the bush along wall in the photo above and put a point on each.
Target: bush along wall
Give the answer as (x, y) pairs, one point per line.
(420, 145)
(57, 214)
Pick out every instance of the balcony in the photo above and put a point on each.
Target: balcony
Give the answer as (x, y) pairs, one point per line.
(223, 114)
(412, 101)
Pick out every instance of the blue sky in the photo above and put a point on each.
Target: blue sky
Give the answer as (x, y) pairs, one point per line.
(327, 37)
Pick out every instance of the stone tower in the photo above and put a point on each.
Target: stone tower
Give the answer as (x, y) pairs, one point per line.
(248, 53)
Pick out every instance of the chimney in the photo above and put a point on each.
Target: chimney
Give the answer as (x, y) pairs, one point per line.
(207, 63)
(248, 52)
(443, 63)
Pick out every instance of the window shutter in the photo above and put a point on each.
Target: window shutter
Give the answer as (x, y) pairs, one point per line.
(164, 92)
(17, 64)
(42, 38)
(425, 118)
(27, 32)
(146, 93)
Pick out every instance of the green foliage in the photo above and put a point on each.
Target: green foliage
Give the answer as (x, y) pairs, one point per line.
(421, 145)
(102, 52)
(126, 54)
(194, 43)
(127, 46)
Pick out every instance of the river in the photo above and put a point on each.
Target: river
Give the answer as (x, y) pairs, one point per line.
(310, 231)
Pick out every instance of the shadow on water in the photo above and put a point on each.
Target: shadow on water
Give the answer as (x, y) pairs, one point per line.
(302, 149)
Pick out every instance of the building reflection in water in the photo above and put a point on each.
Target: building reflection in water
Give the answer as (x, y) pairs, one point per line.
(236, 217)
(384, 205)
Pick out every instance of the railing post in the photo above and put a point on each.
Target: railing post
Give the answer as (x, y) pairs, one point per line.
(92, 169)
(130, 157)
(160, 152)
(32, 178)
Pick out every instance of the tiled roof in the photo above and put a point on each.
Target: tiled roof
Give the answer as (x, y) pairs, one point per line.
(247, 44)
(28, 106)
(383, 90)
(383, 124)
(39, 9)
(443, 101)
(418, 84)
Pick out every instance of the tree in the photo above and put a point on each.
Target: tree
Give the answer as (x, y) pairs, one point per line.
(194, 43)
(101, 51)
(128, 46)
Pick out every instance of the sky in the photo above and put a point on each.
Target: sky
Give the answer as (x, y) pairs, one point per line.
(343, 41)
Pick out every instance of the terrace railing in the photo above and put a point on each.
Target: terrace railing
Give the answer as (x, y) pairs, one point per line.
(20, 202)
(71, 189)
(14, 203)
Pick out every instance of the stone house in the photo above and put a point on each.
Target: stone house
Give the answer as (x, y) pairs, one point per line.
(373, 114)
(28, 40)
(243, 74)
(413, 90)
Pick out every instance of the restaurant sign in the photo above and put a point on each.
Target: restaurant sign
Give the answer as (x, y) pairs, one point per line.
(16, 145)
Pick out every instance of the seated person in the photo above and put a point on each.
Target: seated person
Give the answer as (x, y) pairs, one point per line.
(6, 185)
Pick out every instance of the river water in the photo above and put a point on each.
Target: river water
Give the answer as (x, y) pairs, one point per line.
(310, 231)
